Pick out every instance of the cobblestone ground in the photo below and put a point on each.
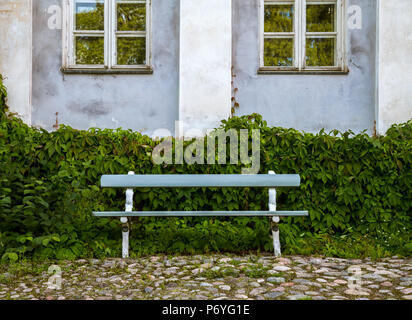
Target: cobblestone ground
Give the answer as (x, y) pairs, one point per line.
(214, 277)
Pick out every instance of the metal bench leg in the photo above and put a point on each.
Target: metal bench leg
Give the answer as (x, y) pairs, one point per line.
(125, 222)
(125, 240)
(275, 235)
(275, 220)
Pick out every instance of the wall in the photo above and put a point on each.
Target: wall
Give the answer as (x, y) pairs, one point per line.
(148, 102)
(138, 102)
(205, 63)
(395, 63)
(15, 54)
(307, 102)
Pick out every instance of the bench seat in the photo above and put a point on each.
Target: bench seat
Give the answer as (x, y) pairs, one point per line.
(199, 213)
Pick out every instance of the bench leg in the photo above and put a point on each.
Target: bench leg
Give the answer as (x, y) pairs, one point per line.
(275, 220)
(125, 240)
(275, 235)
(125, 222)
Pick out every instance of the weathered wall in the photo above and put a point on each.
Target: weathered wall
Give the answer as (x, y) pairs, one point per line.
(205, 62)
(307, 102)
(15, 54)
(138, 102)
(395, 63)
(148, 102)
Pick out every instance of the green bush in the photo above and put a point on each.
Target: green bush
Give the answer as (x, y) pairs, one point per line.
(3, 96)
(357, 188)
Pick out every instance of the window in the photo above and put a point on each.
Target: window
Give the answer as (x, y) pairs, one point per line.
(111, 35)
(302, 35)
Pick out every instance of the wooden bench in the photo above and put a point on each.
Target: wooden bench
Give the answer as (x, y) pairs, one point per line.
(131, 181)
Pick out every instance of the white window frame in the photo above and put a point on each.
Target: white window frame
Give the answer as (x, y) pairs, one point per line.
(110, 37)
(300, 35)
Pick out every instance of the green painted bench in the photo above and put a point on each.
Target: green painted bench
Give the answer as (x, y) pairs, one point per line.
(131, 181)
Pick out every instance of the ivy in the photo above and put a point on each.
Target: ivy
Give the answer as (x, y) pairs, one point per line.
(3, 96)
(357, 188)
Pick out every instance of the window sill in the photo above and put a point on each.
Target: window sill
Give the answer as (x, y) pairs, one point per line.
(265, 71)
(147, 70)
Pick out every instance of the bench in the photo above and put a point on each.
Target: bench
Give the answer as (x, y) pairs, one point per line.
(131, 181)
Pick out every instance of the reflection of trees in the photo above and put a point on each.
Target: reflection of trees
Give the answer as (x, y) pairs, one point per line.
(278, 52)
(91, 20)
(89, 50)
(279, 18)
(130, 50)
(131, 17)
(320, 18)
(319, 51)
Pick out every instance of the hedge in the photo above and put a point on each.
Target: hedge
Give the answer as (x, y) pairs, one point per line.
(354, 186)
(3, 96)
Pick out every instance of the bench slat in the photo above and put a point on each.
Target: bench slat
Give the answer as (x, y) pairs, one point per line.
(201, 180)
(198, 213)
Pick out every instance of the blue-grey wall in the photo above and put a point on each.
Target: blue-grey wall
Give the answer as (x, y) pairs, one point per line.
(307, 102)
(139, 102)
(147, 102)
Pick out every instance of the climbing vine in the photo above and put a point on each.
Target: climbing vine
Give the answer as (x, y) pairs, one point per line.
(357, 189)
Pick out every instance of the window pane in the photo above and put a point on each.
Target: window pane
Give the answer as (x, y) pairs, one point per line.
(320, 18)
(320, 52)
(90, 15)
(279, 18)
(131, 50)
(131, 17)
(89, 50)
(278, 52)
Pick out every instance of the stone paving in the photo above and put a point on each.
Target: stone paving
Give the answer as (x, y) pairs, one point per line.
(214, 277)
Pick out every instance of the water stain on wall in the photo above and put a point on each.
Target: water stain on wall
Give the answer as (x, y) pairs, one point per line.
(91, 109)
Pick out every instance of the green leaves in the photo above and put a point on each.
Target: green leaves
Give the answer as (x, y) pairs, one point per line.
(50, 184)
(3, 96)
(10, 256)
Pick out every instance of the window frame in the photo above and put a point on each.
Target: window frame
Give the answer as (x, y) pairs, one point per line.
(110, 39)
(300, 35)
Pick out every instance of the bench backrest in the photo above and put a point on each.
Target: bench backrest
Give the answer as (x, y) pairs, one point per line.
(201, 180)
